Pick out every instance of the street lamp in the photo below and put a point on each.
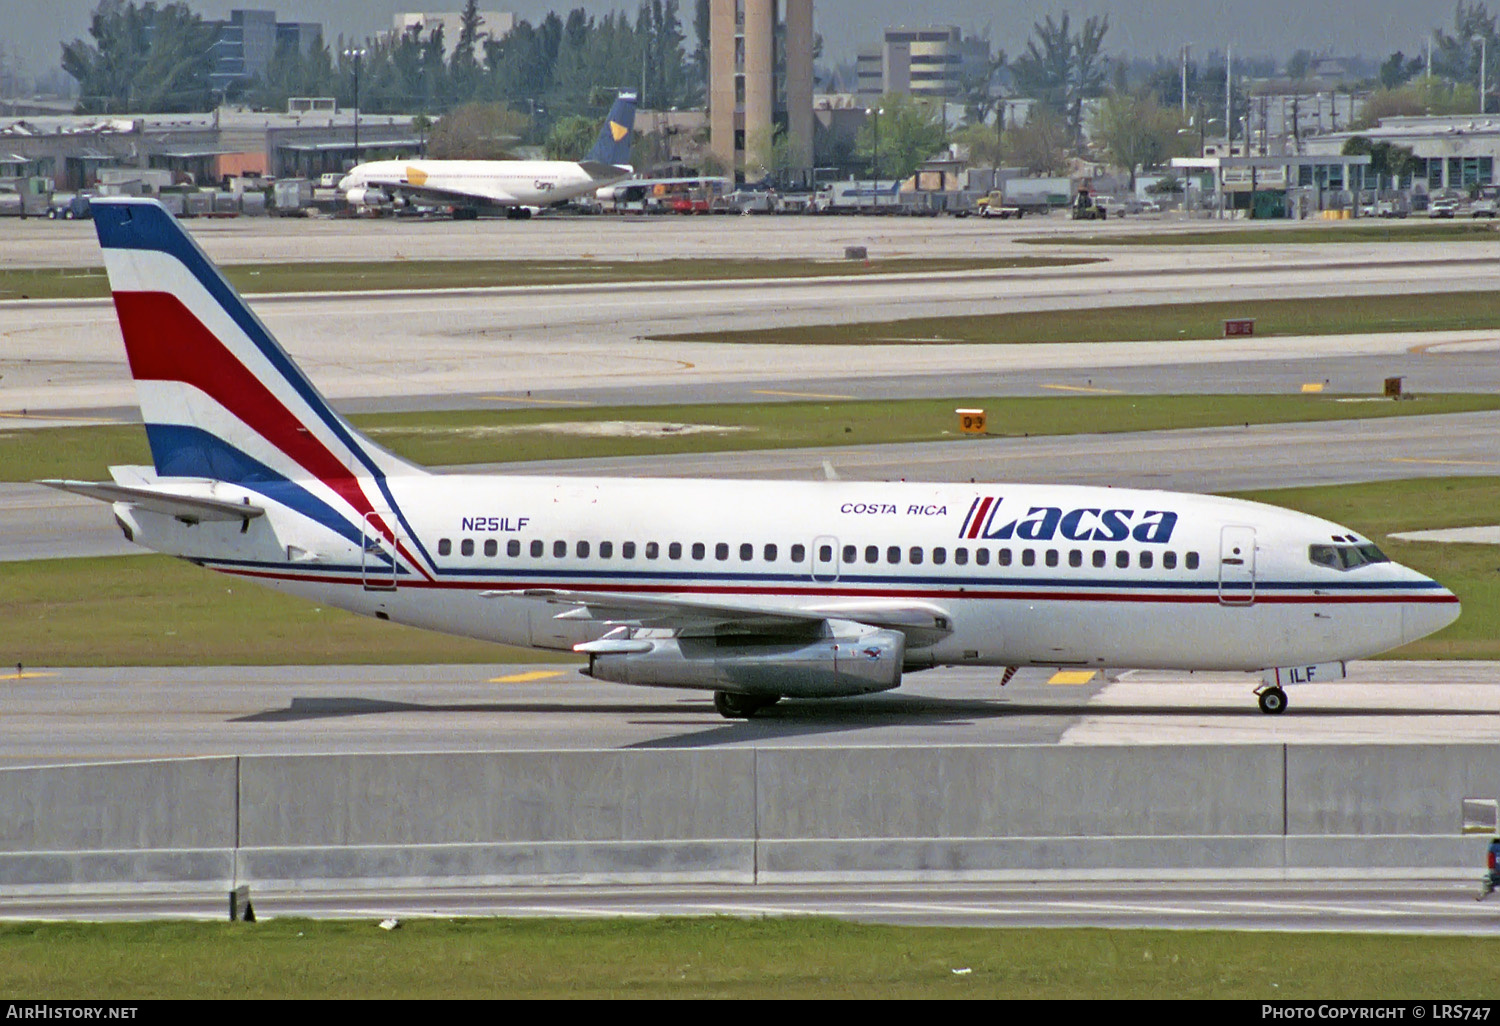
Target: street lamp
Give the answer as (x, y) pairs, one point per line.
(875, 164)
(355, 54)
(1481, 41)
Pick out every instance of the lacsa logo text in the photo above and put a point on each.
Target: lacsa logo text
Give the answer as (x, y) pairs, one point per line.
(1044, 523)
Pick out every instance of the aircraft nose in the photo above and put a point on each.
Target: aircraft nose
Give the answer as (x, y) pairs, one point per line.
(346, 183)
(1438, 608)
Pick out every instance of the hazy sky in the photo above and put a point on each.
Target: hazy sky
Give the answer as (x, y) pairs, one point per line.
(33, 29)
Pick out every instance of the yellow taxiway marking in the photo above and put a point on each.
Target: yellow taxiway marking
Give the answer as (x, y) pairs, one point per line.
(522, 678)
(1082, 388)
(1071, 677)
(1436, 348)
(1449, 463)
(799, 395)
(544, 402)
(1313, 386)
(25, 675)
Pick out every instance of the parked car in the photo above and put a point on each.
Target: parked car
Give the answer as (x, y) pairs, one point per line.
(1390, 208)
(1484, 206)
(1444, 207)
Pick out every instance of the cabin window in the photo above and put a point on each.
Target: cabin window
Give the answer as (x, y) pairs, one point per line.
(1146, 560)
(939, 556)
(1169, 561)
(747, 552)
(699, 550)
(466, 547)
(445, 546)
(851, 553)
(770, 553)
(1075, 557)
(652, 550)
(1028, 557)
(1122, 559)
(893, 554)
(582, 549)
(559, 549)
(825, 553)
(1051, 557)
(799, 553)
(606, 549)
(674, 550)
(537, 548)
(1099, 557)
(982, 556)
(915, 555)
(961, 556)
(1191, 561)
(872, 553)
(721, 550)
(627, 550)
(513, 547)
(491, 547)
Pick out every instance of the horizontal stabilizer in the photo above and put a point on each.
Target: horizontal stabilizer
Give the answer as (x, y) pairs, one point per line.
(181, 506)
(604, 172)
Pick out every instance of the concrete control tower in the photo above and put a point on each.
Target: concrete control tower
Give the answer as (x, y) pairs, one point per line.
(753, 96)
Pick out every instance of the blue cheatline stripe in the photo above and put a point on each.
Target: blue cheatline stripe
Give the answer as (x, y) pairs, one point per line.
(182, 451)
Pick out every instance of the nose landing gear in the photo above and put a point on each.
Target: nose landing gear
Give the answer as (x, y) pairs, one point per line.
(1272, 700)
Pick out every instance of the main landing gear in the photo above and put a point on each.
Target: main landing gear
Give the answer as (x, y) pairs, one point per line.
(1272, 701)
(733, 706)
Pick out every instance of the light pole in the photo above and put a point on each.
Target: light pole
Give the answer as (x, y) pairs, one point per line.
(1481, 40)
(875, 164)
(355, 55)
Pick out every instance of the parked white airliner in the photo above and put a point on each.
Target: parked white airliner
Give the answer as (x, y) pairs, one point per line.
(752, 590)
(511, 186)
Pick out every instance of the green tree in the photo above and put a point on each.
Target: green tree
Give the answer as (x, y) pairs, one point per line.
(1387, 160)
(571, 137)
(463, 64)
(982, 142)
(899, 135)
(1040, 144)
(1061, 68)
(1137, 132)
(144, 58)
(293, 72)
(478, 131)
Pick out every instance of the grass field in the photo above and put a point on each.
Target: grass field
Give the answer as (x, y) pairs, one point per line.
(1338, 315)
(364, 276)
(445, 438)
(724, 958)
(1416, 229)
(154, 611)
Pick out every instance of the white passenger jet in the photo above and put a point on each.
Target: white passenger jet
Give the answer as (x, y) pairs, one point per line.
(512, 186)
(753, 590)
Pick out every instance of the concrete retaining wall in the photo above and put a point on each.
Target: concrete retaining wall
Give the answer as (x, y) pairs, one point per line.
(692, 815)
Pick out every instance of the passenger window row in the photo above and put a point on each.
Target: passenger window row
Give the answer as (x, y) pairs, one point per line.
(851, 555)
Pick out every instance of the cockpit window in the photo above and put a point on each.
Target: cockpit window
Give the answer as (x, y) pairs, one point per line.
(1345, 557)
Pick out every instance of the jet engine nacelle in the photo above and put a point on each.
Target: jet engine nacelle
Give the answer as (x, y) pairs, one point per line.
(363, 196)
(843, 663)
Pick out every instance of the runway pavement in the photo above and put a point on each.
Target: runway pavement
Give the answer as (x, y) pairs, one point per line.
(61, 715)
(1372, 906)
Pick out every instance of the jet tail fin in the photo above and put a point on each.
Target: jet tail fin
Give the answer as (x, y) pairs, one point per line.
(617, 134)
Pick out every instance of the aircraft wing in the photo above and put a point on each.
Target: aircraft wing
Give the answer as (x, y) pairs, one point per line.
(920, 622)
(183, 507)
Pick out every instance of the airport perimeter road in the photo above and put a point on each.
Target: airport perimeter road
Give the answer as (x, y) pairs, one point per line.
(86, 715)
(40, 523)
(67, 355)
(1439, 906)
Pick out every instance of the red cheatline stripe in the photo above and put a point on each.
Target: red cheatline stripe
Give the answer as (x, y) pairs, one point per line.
(979, 517)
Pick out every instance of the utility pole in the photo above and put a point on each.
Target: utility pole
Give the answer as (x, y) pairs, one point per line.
(1185, 49)
(1229, 100)
(355, 54)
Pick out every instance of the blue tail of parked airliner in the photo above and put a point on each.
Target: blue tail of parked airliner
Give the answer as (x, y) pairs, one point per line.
(617, 134)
